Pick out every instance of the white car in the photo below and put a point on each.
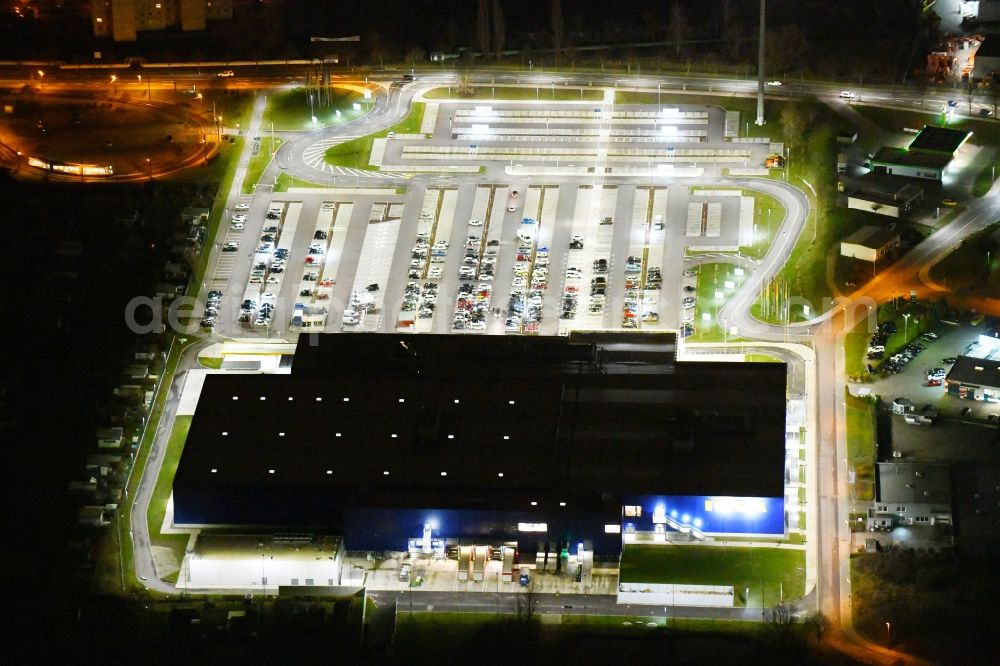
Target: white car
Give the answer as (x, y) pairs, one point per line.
(231, 246)
(226, 74)
(511, 209)
(847, 94)
(237, 226)
(242, 206)
(435, 273)
(475, 223)
(774, 84)
(239, 217)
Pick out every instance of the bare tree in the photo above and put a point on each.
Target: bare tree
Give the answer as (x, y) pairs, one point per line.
(818, 624)
(732, 40)
(483, 27)
(499, 31)
(558, 27)
(415, 54)
(678, 25)
(527, 603)
(782, 634)
(726, 14)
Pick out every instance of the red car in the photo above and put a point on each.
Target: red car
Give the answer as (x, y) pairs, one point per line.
(933, 382)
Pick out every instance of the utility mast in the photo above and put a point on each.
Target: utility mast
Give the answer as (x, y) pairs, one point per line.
(760, 66)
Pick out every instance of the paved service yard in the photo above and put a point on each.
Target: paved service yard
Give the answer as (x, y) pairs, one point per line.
(537, 242)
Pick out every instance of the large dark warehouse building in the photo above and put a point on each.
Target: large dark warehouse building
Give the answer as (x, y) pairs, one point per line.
(383, 438)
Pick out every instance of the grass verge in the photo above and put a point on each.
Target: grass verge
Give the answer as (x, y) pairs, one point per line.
(861, 444)
(161, 492)
(712, 278)
(259, 162)
(972, 263)
(210, 362)
(984, 179)
(357, 152)
(772, 572)
(284, 182)
(291, 110)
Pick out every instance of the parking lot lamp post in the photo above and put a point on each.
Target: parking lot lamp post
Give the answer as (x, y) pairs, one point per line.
(888, 629)
(41, 78)
(906, 322)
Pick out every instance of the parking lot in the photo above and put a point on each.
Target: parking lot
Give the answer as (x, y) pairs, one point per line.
(912, 379)
(580, 218)
(484, 257)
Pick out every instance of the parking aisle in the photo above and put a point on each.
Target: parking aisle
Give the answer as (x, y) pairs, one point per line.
(652, 275)
(560, 230)
(364, 310)
(578, 270)
(498, 199)
(357, 233)
(312, 302)
(284, 241)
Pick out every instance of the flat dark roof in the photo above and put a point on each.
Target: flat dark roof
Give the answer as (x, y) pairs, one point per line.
(975, 371)
(940, 140)
(903, 157)
(478, 422)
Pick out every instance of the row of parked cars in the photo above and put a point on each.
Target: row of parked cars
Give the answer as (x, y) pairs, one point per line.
(472, 305)
(531, 279)
(421, 300)
(212, 305)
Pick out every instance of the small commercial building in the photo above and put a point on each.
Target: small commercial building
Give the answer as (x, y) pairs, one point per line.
(928, 156)
(869, 243)
(266, 561)
(974, 378)
(911, 495)
(886, 199)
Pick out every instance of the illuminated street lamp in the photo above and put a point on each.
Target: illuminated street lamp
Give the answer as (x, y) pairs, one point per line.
(906, 321)
(888, 628)
(149, 168)
(41, 78)
(19, 160)
(113, 78)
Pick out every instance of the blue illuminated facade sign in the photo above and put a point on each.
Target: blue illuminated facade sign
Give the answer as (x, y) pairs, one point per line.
(711, 515)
